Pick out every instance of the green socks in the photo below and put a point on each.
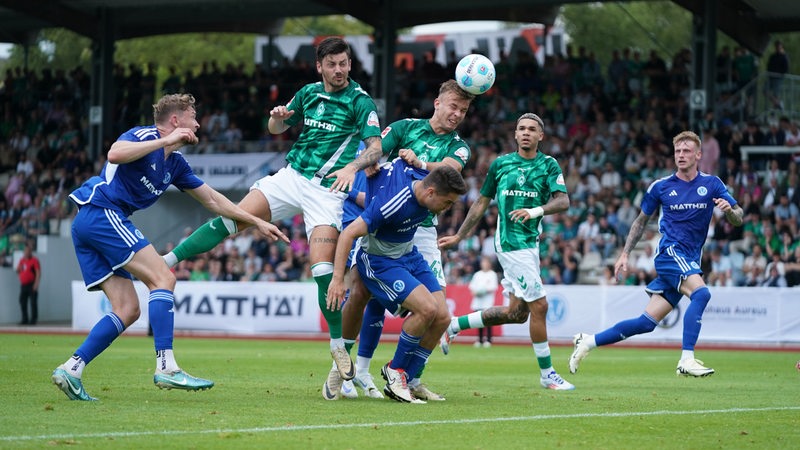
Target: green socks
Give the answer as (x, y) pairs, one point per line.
(205, 238)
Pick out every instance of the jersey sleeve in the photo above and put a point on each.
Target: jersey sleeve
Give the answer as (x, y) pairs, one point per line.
(366, 115)
(489, 188)
(296, 105)
(391, 136)
(184, 178)
(555, 178)
(721, 191)
(652, 198)
(459, 150)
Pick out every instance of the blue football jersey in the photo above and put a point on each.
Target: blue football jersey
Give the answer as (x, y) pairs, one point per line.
(138, 184)
(686, 210)
(392, 212)
(350, 209)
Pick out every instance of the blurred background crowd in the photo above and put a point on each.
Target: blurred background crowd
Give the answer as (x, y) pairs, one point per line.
(609, 127)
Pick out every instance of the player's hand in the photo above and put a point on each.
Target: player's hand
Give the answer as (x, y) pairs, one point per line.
(372, 170)
(410, 157)
(335, 296)
(181, 136)
(280, 112)
(722, 204)
(344, 178)
(271, 232)
(519, 215)
(448, 241)
(621, 266)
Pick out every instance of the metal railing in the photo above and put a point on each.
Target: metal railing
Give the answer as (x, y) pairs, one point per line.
(767, 97)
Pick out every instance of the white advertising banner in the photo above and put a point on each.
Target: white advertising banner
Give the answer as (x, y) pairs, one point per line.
(768, 315)
(234, 170)
(217, 306)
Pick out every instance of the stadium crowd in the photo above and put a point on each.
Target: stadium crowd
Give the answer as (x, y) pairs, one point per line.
(610, 129)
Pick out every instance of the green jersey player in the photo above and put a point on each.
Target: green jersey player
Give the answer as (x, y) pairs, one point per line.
(336, 114)
(425, 144)
(526, 185)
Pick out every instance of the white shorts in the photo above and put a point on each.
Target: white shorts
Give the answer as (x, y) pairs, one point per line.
(289, 194)
(521, 274)
(426, 241)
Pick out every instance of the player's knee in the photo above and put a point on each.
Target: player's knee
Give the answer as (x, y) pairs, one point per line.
(701, 295)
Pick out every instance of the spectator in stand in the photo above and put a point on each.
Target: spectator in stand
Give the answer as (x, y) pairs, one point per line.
(721, 269)
(777, 68)
(709, 163)
(775, 273)
(754, 266)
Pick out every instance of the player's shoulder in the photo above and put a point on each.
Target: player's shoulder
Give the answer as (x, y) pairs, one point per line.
(141, 133)
(657, 184)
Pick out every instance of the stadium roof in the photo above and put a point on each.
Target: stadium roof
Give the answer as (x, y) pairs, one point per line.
(747, 21)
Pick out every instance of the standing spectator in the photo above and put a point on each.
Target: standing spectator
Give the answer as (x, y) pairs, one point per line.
(777, 67)
(709, 162)
(483, 286)
(30, 273)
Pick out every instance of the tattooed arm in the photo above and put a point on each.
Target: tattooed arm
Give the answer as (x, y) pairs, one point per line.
(368, 157)
(637, 230)
(474, 216)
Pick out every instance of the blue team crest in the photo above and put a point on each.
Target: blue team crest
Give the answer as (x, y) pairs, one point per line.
(702, 191)
(694, 265)
(320, 109)
(398, 286)
(139, 234)
(167, 177)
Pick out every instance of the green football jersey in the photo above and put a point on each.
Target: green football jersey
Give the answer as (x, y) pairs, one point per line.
(514, 183)
(334, 123)
(417, 135)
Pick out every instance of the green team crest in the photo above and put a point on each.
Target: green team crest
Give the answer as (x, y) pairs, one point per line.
(320, 109)
(521, 178)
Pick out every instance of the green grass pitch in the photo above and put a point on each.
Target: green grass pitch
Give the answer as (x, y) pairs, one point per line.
(267, 395)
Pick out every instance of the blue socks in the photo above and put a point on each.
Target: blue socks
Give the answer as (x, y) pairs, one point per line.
(162, 318)
(417, 363)
(625, 329)
(371, 328)
(692, 320)
(407, 345)
(102, 335)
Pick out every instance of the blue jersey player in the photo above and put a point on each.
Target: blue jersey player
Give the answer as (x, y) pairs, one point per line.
(141, 165)
(686, 200)
(399, 198)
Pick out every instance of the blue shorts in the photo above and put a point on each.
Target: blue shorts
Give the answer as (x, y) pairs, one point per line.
(104, 241)
(392, 280)
(672, 268)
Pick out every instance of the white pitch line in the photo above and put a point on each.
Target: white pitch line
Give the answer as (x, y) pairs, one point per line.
(290, 428)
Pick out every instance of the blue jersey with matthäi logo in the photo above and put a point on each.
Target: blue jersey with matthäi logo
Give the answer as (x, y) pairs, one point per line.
(686, 209)
(138, 184)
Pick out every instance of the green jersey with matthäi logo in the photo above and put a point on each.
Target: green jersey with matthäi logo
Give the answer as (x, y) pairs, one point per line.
(334, 123)
(515, 182)
(417, 135)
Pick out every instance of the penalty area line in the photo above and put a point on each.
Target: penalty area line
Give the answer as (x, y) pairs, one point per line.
(290, 428)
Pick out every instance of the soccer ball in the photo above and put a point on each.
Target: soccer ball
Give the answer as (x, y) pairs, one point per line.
(475, 74)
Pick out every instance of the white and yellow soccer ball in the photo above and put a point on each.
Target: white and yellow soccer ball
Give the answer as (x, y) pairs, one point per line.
(475, 74)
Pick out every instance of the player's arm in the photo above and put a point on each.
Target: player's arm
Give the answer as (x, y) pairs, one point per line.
(637, 230)
(558, 203)
(408, 155)
(219, 204)
(474, 216)
(122, 152)
(368, 158)
(734, 214)
(277, 117)
(336, 288)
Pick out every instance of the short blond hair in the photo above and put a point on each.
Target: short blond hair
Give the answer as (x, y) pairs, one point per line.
(170, 104)
(687, 136)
